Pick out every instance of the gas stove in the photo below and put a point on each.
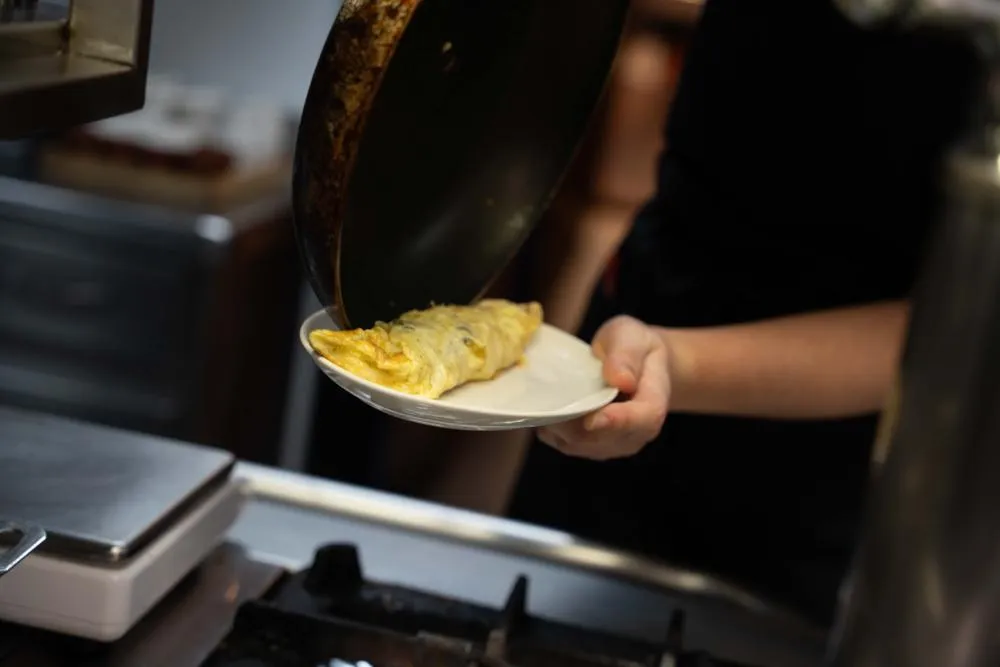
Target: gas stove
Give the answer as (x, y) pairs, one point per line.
(331, 615)
(237, 612)
(144, 567)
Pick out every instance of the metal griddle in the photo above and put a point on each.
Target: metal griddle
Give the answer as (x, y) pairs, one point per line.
(100, 494)
(433, 137)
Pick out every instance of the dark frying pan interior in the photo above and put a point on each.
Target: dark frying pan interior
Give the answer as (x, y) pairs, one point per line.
(478, 114)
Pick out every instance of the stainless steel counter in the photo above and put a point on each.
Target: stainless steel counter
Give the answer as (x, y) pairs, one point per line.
(477, 558)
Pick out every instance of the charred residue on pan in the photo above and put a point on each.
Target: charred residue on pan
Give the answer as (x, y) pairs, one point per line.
(347, 77)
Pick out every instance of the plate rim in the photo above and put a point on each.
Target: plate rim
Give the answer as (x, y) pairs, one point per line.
(607, 395)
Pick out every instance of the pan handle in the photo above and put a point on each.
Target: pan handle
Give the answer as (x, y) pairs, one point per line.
(31, 536)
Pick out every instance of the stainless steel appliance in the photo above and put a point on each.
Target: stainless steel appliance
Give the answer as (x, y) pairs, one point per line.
(127, 517)
(102, 499)
(68, 62)
(168, 322)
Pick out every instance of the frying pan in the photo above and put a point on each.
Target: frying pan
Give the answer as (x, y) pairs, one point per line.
(433, 136)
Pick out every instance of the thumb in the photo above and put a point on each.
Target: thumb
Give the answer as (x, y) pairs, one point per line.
(622, 343)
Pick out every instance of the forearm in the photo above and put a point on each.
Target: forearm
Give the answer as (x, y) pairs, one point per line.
(827, 364)
(573, 253)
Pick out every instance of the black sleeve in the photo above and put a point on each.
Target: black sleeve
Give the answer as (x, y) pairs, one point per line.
(803, 155)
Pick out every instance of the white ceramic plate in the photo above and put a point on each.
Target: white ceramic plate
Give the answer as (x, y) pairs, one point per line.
(561, 380)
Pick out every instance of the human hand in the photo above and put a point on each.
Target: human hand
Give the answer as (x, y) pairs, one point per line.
(635, 360)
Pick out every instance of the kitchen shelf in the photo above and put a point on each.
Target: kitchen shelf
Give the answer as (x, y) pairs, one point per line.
(61, 67)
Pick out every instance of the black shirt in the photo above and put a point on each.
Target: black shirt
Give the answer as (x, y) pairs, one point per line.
(800, 174)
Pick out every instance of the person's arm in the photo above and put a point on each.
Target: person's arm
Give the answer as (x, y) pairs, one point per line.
(837, 363)
(828, 364)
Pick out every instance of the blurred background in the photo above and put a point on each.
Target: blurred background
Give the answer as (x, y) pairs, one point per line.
(167, 294)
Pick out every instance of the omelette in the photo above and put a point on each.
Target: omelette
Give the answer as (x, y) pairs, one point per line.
(429, 352)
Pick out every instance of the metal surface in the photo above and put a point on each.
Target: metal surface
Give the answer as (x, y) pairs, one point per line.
(434, 134)
(87, 64)
(28, 538)
(89, 285)
(475, 558)
(491, 532)
(925, 589)
(100, 494)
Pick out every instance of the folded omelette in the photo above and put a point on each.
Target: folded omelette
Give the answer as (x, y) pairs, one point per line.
(429, 352)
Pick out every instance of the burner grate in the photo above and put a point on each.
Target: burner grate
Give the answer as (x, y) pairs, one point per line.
(330, 615)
